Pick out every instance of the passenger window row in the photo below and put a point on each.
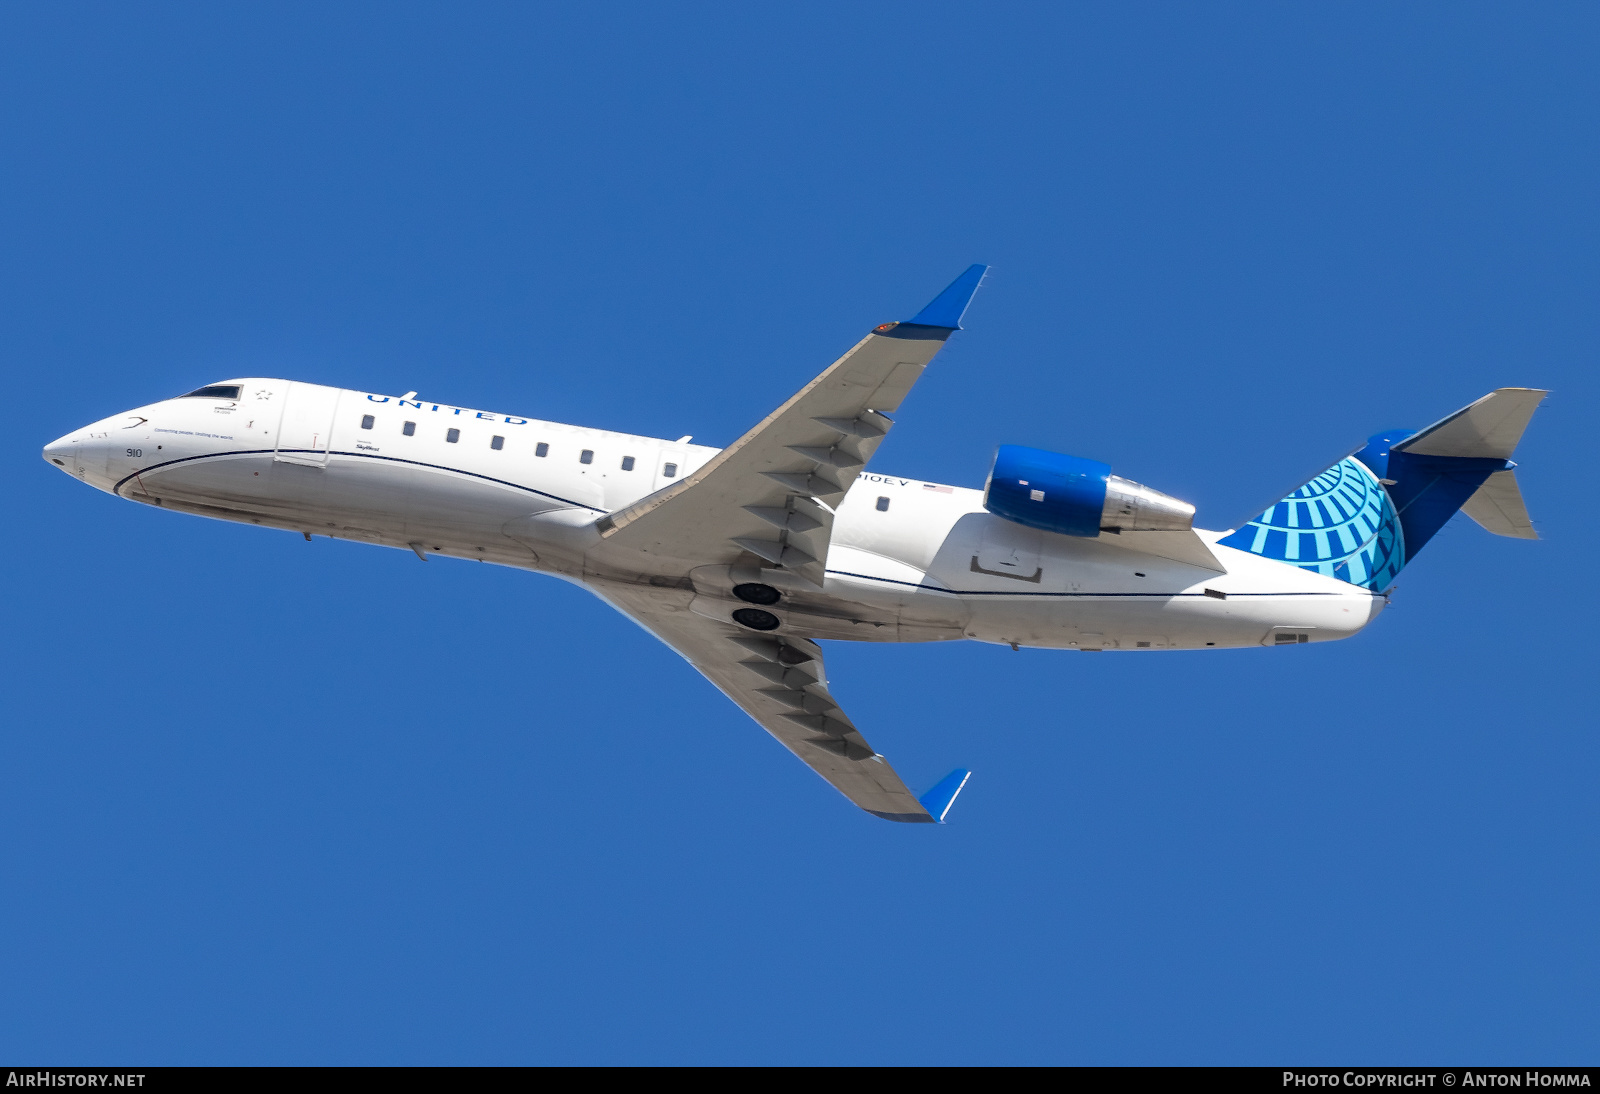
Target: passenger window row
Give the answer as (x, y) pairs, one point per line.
(497, 442)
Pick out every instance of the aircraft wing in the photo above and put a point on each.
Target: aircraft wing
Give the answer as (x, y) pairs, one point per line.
(773, 491)
(779, 681)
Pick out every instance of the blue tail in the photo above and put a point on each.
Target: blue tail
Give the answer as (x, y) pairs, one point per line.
(1369, 514)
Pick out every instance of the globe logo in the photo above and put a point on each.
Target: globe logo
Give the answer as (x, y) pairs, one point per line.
(1341, 524)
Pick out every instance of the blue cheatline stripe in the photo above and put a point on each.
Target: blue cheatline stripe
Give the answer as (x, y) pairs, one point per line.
(358, 455)
(1007, 592)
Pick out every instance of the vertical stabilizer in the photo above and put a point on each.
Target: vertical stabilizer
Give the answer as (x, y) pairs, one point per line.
(1369, 514)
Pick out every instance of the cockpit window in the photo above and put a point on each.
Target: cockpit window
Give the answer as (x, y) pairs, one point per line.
(218, 391)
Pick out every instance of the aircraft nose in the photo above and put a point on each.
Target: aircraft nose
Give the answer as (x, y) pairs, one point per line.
(59, 452)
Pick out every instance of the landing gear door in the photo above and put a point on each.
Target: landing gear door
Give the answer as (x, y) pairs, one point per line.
(305, 431)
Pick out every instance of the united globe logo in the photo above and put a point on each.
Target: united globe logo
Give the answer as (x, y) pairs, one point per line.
(1341, 524)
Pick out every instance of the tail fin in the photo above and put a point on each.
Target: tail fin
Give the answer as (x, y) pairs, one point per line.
(1369, 514)
(1342, 523)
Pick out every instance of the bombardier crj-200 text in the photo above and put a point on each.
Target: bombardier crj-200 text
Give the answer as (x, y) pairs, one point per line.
(740, 559)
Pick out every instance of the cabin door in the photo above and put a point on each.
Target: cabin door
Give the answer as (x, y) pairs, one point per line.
(305, 431)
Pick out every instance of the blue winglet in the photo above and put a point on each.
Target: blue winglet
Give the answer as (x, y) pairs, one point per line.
(949, 306)
(939, 800)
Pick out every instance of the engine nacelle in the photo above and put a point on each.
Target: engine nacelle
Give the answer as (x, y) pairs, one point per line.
(1075, 496)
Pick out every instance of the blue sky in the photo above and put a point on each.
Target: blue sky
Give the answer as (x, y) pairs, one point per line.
(271, 802)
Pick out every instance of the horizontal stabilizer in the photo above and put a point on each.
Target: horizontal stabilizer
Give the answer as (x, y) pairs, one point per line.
(1489, 428)
(939, 800)
(1499, 508)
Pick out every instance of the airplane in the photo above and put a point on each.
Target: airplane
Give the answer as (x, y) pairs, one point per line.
(742, 559)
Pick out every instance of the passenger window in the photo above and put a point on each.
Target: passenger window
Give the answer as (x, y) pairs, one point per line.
(497, 443)
(541, 449)
(627, 463)
(366, 421)
(409, 429)
(883, 505)
(453, 436)
(586, 456)
(670, 470)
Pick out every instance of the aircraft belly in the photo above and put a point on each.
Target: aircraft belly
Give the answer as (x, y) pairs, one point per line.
(444, 509)
(1181, 620)
(356, 494)
(248, 488)
(922, 614)
(885, 585)
(815, 617)
(381, 502)
(1039, 589)
(848, 608)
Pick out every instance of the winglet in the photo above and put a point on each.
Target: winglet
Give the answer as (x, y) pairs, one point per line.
(949, 306)
(939, 800)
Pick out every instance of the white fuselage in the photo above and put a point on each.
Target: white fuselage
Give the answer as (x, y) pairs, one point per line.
(909, 560)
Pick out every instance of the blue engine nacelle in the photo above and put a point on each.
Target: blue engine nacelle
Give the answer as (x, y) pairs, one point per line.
(1075, 496)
